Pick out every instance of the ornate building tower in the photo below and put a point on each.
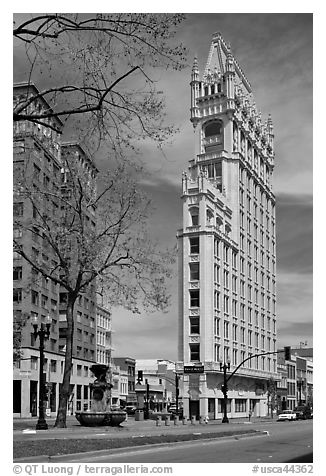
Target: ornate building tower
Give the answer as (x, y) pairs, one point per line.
(227, 245)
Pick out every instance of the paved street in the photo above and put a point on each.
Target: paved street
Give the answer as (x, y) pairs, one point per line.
(285, 442)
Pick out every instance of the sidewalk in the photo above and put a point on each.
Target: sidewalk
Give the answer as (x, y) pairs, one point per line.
(19, 425)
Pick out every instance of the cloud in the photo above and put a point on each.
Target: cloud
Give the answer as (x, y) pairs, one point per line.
(275, 52)
(145, 336)
(294, 333)
(294, 233)
(294, 308)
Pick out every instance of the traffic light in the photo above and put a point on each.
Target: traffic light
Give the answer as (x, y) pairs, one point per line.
(140, 376)
(287, 353)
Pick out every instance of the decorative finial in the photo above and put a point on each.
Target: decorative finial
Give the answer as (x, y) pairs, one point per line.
(217, 36)
(195, 64)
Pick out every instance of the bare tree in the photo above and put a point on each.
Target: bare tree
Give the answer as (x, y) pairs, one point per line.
(97, 73)
(96, 236)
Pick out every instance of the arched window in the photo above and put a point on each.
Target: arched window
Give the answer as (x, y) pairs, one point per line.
(194, 215)
(206, 90)
(209, 217)
(213, 129)
(219, 88)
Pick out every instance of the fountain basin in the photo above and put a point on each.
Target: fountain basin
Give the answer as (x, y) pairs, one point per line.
(109, 418)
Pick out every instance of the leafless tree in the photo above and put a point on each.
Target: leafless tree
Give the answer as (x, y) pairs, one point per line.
(97, 73)
(96, 236)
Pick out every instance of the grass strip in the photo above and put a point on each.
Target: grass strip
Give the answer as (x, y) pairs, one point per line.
(55, 447)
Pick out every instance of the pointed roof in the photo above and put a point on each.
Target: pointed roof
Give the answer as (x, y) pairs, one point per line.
(217, 56)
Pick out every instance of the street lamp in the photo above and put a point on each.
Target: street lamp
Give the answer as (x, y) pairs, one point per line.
(41, 330)
(225, 367)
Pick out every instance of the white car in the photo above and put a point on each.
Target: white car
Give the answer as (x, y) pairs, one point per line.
(288, 415)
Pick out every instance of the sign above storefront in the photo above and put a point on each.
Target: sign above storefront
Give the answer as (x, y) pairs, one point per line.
(192, 369)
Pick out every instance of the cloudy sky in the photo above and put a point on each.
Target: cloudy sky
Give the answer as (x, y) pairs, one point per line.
(275, 52)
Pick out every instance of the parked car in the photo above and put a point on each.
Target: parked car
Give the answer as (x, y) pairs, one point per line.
(173, 410)
(287, 415)
(130, 409)
(303, 412)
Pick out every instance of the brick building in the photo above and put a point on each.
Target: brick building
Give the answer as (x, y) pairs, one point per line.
(38, 160)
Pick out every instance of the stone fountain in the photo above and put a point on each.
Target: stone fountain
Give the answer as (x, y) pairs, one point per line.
(100, 413)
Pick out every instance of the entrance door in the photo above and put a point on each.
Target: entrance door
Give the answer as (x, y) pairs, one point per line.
(33, 398)
(253, 407)
(17, 396)
(211, 408)
(194, 408)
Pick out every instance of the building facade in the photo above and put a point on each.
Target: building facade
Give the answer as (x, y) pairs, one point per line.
(159, 375)
(39, 161)
(103, 335)
(226, 247)
(128, 364)
(297, 379)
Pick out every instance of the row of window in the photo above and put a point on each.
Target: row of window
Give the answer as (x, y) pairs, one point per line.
(240, 405)
(251, 154)
(88, 337)
(37, 299)
(52, 366)
(238, 333)
(102, 339)
(265, 281)
(50, 344)
(251, 186)
(81, 318)
(268, 226)
(194, 245)
(52, 137)
(84, 302)
(248, 247)
(253, 362)
(270, 304)
(210, 220)
(103, 321)
(210, 89)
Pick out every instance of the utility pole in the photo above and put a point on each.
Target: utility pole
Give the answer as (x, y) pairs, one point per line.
(147, 400)
(177, 393)
(225, 367)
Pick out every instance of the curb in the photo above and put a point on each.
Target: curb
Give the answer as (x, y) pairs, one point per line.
(62, 458)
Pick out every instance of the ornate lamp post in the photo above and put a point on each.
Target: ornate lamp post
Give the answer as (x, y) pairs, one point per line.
(41, 330)
(177, 393)
(225, 367)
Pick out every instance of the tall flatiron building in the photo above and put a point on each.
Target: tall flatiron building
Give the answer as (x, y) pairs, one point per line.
(226, 247)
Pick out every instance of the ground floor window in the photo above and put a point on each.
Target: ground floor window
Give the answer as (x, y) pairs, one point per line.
(240, 405)
(221, 407)
(53, 399)
(211, 407)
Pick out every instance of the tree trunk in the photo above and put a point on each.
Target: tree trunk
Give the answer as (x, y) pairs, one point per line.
(65, 386)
